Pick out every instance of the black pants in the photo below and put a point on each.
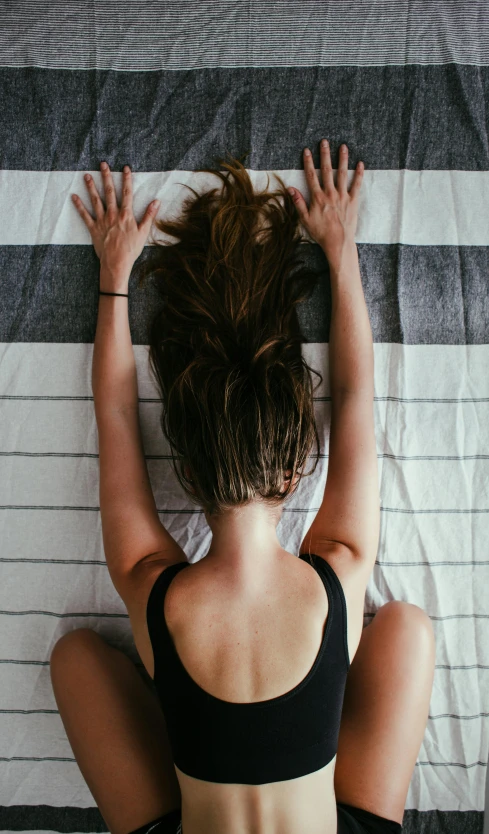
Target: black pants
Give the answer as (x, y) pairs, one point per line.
(350, 821)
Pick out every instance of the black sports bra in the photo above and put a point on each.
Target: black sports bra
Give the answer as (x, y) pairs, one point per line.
(259, 742)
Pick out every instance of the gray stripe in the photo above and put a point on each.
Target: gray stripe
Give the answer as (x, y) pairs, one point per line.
(222, 33)
(184, 121)
(99, 615)
(430, 717)
(402, 287)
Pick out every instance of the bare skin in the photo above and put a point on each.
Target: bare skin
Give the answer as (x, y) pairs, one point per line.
(249, 585)
(107, 707)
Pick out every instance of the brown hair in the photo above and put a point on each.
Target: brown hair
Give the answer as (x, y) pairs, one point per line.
(226, 346)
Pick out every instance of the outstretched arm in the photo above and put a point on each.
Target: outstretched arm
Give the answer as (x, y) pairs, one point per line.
(132, 531)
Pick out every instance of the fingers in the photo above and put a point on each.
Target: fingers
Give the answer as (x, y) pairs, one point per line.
(86, 217)
(357, 180)
(326, 167)
(299, 201)
(343, 174)
(111, 201)
(94, 197)
(126, 202)
(311, 176)
(110, 198)
(149, 215)
(343, 170)
(327, 171)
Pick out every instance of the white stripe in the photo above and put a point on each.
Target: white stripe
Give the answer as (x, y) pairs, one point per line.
(421, 208)
(414, 430)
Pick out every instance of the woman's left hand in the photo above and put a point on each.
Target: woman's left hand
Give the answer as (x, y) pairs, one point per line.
(117, 238)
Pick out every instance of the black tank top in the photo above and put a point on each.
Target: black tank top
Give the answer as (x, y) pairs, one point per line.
(263, 741)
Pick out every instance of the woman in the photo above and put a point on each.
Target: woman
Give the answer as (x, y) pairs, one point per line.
(250, 649)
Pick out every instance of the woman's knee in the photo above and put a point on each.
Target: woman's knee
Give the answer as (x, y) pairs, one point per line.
(74, 641)
(409, 618)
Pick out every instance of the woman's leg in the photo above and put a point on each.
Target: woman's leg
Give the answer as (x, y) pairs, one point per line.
(385, 710)
(116, 729)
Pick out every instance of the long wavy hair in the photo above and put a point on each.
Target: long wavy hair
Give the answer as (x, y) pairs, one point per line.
(225, 348)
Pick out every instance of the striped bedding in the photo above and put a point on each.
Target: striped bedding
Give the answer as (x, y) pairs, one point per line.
(170, 87)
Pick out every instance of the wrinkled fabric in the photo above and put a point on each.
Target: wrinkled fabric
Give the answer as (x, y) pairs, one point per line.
(168, 88)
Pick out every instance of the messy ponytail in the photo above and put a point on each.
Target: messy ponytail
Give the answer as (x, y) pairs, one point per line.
(226, 346)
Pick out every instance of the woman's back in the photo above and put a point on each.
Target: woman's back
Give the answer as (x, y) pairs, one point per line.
(223, 652)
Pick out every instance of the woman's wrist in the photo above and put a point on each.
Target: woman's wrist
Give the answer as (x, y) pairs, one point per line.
(344, 261)
(114, 278)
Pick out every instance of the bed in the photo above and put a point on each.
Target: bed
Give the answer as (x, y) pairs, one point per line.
(170, 88)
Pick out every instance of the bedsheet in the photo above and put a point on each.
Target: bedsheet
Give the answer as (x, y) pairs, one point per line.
(169, 88)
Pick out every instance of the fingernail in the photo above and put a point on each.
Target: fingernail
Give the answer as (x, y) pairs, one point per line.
(126, 169)
(104, 165)
(291, 191)
(87, 177)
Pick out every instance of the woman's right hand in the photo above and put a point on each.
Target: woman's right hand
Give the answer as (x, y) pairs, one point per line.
(331, 219)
